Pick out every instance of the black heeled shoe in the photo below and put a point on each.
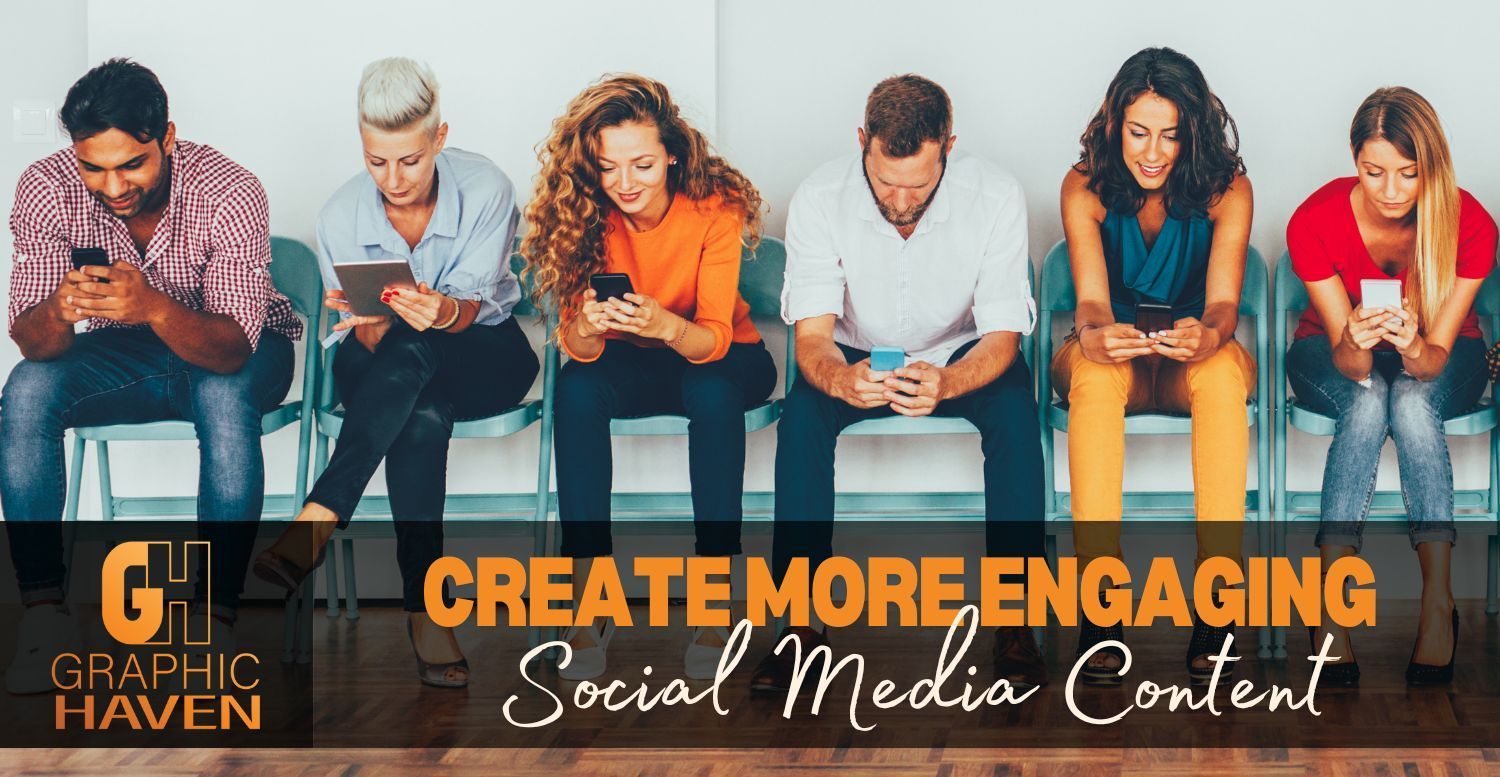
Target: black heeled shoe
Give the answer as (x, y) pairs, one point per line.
(1427, 674)
(436, 675)
(1344, 674)
(1208, 641)
(1090, 635)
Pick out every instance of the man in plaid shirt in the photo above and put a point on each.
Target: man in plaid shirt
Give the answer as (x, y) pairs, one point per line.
(183, 323)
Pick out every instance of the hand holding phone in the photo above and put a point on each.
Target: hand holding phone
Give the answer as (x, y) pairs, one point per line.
(1151, 317)
(84, 257)
(611, 285)
(1379, 293)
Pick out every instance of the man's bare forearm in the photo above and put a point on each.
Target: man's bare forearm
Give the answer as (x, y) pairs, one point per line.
(212, 341)
(982, 365)
(41, 334)
(821, 362)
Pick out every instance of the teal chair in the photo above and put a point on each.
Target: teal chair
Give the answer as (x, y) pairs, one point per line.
(1058, 296)
(530, 504)
(761, 276)
(1299, 511)
(294, 271)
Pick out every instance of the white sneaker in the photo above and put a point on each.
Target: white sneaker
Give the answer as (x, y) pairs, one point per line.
(702, 661)
(587, 663)
(46, 631)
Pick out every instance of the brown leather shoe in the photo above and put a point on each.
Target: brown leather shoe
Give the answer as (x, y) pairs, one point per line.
(1017, 657)
(774, 672)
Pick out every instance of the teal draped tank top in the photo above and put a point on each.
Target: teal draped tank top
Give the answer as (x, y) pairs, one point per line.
(1173, 272)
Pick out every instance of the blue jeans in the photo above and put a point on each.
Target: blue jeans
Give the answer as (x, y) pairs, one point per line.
(1408, 410)
(1010, 440)
(123, 376)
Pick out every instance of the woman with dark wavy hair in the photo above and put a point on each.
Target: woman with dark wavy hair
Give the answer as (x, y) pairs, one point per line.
(1157, 216)
(628, 186)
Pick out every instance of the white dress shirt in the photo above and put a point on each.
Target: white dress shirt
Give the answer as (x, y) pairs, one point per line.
(961, 274)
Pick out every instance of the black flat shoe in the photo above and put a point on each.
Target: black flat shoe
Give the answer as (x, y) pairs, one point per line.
(1208, 641)
(1427, 674)
(1344, 674)
(1090, 635)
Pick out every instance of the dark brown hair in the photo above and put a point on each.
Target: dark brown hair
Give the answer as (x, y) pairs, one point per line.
(1208, 143)
(907, 111)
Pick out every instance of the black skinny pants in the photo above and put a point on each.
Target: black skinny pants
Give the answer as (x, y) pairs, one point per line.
(1005, 413)
(628, 380)
(400, 403)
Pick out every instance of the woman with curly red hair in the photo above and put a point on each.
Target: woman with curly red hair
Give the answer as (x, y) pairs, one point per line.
(628, 186)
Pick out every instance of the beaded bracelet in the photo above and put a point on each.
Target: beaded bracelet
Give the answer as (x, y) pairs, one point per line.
(457, 309)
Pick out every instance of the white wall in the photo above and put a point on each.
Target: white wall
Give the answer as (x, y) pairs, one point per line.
(783, 84)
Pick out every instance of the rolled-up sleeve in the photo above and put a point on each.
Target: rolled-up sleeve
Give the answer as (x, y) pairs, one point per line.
(237, 281)
(719, 283)
(1002, 296)
(41, 245)
(481, 271)
(814, 284)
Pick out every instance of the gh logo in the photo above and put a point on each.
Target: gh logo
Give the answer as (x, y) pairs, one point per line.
(136, 614)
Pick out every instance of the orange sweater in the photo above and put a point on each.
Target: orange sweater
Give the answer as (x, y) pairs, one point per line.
(690, 263)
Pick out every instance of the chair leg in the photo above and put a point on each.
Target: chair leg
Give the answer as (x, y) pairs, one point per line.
(331, 575)
(290, 626)
(75, 480)
(106, 494)
(351, 591)
(1493, 574)
(70, 506)
(305, 620)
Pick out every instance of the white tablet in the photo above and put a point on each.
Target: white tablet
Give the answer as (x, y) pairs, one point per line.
(364, 282)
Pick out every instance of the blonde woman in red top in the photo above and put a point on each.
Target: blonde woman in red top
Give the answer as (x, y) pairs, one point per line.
(628, 186)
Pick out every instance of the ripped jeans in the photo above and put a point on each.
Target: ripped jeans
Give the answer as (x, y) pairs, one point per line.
(1394, 404)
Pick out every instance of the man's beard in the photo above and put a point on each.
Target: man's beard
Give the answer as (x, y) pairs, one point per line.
(910, 216)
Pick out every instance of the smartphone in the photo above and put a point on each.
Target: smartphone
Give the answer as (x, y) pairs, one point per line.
(611, 284)
(1151, 317)
(1378, 293)
(83, 257)
(885, 358)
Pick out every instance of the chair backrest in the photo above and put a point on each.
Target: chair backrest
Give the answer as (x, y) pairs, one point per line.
(294, 271)
(762, 274)
(1058, 294)
(525, 307)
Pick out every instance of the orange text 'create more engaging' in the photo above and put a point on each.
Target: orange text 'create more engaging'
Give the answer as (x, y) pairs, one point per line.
(929, 592)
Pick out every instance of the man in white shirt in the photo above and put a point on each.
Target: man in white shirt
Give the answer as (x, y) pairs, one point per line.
(906, 245)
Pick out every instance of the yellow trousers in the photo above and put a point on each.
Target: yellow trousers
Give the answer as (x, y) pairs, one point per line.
(1099, 396)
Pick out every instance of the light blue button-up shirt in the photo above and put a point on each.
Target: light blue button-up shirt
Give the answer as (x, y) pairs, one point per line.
(465, 251)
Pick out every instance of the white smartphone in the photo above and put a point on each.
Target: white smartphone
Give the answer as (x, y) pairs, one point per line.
(1380, 293)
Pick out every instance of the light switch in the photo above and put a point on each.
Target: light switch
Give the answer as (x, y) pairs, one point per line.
(32, 121)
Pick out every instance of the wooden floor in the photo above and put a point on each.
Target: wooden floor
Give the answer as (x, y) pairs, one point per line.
(1144, 762)
(378, 633)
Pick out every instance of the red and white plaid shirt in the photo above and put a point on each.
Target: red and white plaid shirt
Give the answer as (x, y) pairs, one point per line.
(211, 251)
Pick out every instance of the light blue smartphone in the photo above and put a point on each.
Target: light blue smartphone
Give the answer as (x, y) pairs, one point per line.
(885, 358)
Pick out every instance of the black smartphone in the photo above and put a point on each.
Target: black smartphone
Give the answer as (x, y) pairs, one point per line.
(82, 257)
(1151, 317)
(611, 284)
